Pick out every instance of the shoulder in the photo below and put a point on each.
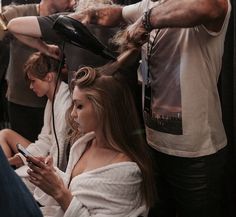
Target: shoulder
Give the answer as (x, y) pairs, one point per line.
(216, 13)
(131, 13)
(63, 89)
(64, 92)
(24, 8)
(14, 11)
(50, 19)
(46, 26)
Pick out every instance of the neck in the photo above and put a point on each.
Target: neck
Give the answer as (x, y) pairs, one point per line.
(52, 89)
(99, 141)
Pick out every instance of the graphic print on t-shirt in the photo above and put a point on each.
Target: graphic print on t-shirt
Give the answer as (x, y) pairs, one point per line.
(165, 114)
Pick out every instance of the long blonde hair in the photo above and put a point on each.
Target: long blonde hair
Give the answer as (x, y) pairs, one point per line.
(115, 109)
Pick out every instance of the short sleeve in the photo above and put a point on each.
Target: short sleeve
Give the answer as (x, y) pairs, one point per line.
(46, 26)
(132, 12)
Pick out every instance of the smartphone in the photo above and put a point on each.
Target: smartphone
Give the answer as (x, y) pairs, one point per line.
(23, 151)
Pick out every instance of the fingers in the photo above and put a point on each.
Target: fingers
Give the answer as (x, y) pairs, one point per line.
(48, 161)
(38, 172)
(33, 175)
(53, 51)
(38, 162)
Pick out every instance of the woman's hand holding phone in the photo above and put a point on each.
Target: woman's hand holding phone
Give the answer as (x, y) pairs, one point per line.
(43, 175)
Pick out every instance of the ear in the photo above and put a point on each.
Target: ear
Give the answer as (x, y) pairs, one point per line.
(49, 77)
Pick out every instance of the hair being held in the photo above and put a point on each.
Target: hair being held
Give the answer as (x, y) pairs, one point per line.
(132, 37)
(39, 64)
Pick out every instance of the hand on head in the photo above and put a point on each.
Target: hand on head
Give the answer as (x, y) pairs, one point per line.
(54, 51)
(133, 37)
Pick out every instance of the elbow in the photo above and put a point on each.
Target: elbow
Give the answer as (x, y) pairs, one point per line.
(214, 9)
(11, 26)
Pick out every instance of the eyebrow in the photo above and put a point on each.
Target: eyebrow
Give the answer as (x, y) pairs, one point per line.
(76, 101)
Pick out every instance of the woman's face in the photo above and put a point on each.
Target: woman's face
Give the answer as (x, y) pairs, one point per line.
(40, 87)
(83, 112)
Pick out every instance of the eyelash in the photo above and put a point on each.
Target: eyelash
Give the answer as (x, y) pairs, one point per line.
(79, 106)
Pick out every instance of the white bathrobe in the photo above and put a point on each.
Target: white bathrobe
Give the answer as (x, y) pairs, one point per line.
(46, 143)
(109, 191)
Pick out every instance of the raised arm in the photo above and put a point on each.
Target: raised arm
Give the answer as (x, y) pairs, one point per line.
(174, 13)
(19, 27)
(27, 26)
(106, 15)
(189, 13)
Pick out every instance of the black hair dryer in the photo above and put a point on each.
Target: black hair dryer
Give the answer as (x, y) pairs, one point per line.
(74, 32)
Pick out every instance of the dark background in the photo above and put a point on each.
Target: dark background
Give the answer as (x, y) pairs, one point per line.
(227, 89)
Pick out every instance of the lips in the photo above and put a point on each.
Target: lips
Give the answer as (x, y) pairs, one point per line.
(77, 122)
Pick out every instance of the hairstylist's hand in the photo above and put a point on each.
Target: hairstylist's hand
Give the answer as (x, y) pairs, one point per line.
(53, 51)
(137, 34)
(134, 36)
(43, 175)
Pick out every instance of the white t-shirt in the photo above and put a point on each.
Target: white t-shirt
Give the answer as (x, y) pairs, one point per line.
(185, 118)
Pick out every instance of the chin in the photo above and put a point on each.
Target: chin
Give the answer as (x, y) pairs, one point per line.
(39, 95)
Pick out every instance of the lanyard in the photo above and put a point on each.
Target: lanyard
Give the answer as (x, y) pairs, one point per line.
(148, 89)
(149, 54)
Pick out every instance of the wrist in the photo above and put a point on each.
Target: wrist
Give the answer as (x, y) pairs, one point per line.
(63, 197)
(146, 21)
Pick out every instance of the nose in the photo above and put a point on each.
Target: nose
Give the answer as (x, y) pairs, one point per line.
(73, 112)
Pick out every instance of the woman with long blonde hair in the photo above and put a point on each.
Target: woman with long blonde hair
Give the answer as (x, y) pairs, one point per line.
(109, 172)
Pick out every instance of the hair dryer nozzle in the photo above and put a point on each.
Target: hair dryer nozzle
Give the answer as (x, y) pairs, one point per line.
(74, 32)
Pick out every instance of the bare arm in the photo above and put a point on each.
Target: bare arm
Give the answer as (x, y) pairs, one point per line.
(106, 16)
(43, 175)
(37, 43)
(28, 26)
(31, 36)
(189, 13)
(175, 13)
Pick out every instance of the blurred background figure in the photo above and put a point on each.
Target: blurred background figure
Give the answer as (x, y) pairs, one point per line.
(42, 73)
(15, 198)
(25, 109)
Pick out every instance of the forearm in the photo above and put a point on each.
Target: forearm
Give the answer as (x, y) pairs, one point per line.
(64, 198)
(187, 13)
(36, 43)
(109, 16)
